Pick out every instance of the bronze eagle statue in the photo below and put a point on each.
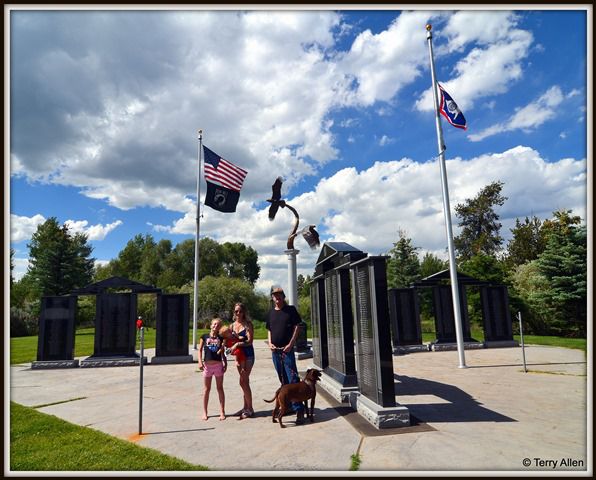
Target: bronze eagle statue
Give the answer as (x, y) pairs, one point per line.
(309, 233)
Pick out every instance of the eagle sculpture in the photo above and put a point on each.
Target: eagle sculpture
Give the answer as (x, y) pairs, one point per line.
(311, 236)
(275, 199)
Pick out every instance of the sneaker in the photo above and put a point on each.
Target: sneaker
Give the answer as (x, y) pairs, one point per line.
(300, 417)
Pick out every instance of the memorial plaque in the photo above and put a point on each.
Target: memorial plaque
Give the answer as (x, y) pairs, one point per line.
(55, 340)
(340, 336)
(115, 325)
(374, 354)
(173, 313)
(495, 314)
(444, 316)
(319, 324)
(404, 311)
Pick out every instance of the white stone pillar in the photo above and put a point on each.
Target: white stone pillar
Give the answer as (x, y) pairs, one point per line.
(292, 290)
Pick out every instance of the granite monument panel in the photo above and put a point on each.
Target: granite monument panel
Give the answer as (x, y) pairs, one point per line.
(404, 311)
(444, 316)
(374, 353)
(172, 320)
(495, 313)
(55, 340)
(340, 336)
(115, 325)
(319, 324)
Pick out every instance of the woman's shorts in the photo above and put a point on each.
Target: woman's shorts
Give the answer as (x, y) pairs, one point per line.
(248, 362)
(213, 369)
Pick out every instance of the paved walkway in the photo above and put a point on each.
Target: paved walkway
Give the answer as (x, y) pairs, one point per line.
(489, 417)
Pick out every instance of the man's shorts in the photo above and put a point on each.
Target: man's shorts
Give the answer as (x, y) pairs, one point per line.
(213, 369)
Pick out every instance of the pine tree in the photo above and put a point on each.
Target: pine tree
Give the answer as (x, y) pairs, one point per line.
(59, 261)
(403, 267)
(479, 222)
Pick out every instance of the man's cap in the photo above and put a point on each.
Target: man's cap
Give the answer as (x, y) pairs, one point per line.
(277, 290)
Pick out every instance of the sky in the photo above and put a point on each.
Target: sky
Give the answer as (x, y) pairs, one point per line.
(105, 108)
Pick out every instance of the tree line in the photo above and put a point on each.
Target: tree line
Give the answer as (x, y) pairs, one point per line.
(544, 266)
(60, 261)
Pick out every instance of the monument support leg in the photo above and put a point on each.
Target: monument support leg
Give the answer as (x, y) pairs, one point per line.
(292, 277)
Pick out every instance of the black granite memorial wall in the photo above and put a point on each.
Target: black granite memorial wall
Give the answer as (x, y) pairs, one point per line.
(172, 320)
(495, 313)
(115, 327)
(444, 316)
(56, 336)
(340, 336)
(404, 311)
(374, 353)
(319, 323)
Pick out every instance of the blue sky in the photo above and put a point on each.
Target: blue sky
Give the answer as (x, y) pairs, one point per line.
(105, 106)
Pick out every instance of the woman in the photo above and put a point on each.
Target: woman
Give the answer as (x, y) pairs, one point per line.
(243, 327)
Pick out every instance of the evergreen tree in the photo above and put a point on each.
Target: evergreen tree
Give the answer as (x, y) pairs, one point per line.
(479, 223)
(58, 261)
(564, 265)
(432, 264)
(403, 266)
(528, 241)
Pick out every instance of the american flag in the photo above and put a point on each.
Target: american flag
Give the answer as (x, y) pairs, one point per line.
(221, 172)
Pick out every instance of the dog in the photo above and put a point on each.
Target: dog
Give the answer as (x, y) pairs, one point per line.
(296, 392)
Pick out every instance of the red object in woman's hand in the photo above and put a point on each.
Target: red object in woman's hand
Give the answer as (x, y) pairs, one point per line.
(139, 323)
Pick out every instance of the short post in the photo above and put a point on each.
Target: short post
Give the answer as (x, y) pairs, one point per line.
(521, 335)
(142, 338)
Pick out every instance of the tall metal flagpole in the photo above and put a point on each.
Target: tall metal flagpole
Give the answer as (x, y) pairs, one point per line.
(447, 210)
(195, 315)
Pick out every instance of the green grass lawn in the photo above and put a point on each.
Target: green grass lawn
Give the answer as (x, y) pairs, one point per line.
(24, 349)
(41, 442)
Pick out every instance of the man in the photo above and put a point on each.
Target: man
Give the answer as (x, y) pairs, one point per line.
(283, 324)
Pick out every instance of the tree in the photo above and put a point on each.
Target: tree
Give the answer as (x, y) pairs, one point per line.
(240, 261)
(403, 266)
(58, 261)
(564, 265)
(479, 222)
(527, 243)
(431, 264)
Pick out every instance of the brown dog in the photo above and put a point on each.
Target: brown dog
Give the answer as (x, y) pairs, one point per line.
(296, 392)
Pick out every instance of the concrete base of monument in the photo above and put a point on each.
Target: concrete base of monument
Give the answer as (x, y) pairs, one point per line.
(441, 347)
(501, 344)
(307, 353)
(55, 364)
(171, 359)
(380, 417)
(93, 362)
(402, 349)
(335, 389)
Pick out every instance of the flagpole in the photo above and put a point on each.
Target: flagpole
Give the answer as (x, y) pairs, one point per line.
(195, 315)
(447, 210)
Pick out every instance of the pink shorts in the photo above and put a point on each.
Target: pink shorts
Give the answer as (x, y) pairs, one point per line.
(211, 369)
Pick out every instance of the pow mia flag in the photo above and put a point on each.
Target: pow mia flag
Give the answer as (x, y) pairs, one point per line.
(221, 198)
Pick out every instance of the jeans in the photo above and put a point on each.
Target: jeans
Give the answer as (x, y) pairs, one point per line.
(287, 372)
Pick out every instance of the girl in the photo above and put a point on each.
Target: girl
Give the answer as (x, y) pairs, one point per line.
(213, 362)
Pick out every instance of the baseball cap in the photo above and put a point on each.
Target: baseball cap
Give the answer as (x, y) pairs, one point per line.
(277, 289)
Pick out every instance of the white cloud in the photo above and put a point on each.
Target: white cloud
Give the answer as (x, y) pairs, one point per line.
(94, 232)
(22, 228)
(491, 66)
(526, 118)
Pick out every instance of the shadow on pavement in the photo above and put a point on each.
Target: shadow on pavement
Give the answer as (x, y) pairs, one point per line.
(457, 405)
